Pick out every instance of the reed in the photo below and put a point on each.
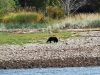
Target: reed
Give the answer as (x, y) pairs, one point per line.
(83, 20)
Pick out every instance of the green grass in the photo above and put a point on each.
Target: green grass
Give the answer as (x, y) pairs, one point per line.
(40, 37)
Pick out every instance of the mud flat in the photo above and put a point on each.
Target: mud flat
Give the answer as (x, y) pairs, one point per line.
(76, 51)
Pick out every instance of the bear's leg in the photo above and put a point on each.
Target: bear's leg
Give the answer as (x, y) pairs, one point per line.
(54, 41)
(50, 41)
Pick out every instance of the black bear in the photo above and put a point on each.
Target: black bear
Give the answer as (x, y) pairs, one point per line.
(54, 39)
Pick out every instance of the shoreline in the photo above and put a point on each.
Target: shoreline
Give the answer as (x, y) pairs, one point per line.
(67, 62)
(43, 56)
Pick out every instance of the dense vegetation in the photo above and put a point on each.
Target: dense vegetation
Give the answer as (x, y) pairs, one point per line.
(49, 14)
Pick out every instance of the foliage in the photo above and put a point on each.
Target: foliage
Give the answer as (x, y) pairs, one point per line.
(73, 21)
(6, 6)
(54, 12)
(72, 5)
(95, 5)
(22, 17)
(37, 3)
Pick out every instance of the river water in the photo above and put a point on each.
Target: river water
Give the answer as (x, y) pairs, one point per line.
(53, 71)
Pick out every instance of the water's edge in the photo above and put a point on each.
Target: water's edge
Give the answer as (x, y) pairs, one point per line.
(67, 62)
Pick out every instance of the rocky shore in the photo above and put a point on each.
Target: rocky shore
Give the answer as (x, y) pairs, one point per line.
(75, 51)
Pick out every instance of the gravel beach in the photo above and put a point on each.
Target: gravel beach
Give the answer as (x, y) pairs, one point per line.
(75, 51)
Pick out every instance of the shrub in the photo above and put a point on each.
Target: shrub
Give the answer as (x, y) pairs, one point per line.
(54, 12)
(22, 17)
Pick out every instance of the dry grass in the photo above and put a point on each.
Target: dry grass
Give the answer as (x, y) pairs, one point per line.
(82, 20)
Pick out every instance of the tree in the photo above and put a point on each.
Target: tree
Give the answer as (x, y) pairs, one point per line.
(95, 5)
(72, 5)
(42, 4)
(38, 4)
(6, 5)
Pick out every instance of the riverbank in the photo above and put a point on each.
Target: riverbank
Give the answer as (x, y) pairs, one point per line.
(67, 62)
(75, 51)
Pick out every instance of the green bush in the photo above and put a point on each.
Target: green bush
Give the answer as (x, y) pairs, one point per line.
(54, 12)
(22, 17)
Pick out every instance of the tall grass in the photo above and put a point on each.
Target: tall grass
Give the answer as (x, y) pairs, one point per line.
(40, 24)
(83, 20)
